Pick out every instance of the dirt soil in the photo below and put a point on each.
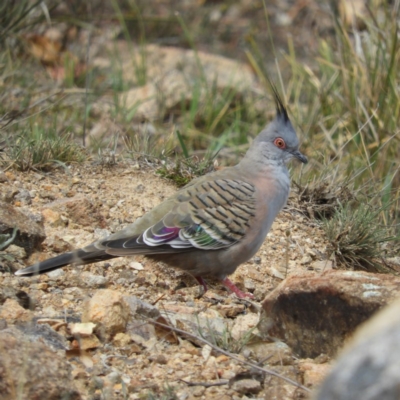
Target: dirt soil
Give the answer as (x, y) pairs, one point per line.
(92, 201)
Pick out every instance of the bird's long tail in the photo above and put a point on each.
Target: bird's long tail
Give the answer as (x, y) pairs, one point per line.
(84, 256)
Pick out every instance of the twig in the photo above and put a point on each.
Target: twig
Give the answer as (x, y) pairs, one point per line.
(158, 299)
(233, 356)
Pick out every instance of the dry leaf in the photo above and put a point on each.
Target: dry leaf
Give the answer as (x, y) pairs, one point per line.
(46, 50)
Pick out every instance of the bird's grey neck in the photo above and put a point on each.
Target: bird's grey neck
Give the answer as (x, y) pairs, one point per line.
(262, 164)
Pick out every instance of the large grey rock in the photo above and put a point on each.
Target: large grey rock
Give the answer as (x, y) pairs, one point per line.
(369, 368)
(314, 314)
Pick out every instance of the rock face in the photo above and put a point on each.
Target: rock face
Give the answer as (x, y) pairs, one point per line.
(30, 370)
(369, 367)
(314, 314)
(30, 233)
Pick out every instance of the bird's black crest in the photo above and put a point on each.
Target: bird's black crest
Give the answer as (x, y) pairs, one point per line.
(281, 111)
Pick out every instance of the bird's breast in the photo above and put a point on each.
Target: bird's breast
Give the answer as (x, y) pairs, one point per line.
(272, 196)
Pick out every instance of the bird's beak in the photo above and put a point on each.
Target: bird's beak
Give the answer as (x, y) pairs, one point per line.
(300, 156)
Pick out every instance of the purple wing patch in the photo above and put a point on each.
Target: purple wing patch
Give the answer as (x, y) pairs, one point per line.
(180, 238)
(165, 234)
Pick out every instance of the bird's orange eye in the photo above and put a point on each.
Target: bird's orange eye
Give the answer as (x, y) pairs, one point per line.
(279, 142)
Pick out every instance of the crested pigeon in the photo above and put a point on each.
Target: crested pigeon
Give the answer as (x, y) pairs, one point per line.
(213, 224)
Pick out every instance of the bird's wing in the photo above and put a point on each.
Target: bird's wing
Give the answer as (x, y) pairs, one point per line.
(211, 214)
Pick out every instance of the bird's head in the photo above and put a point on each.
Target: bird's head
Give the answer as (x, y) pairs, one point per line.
(278, 141)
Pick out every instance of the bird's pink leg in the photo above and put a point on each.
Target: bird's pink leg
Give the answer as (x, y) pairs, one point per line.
(231, 286)
(202, 283)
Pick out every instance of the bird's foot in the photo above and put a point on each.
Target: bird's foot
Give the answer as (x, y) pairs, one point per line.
(202, 283)
(231, 286)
